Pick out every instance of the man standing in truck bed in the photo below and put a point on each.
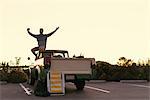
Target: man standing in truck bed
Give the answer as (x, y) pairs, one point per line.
(41, 39)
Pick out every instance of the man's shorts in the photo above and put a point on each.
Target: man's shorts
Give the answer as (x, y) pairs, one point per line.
(41, 48)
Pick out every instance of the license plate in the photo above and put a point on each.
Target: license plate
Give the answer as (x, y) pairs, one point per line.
(70, 77)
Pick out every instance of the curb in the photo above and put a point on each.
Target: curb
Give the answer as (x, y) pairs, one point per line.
(96, 81)
(121, 81)
(132, 81)
(3, 82)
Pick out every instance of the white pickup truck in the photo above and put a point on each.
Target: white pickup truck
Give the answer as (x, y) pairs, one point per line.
(75, 70)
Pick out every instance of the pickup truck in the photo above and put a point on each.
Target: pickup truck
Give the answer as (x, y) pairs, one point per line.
(76, 69)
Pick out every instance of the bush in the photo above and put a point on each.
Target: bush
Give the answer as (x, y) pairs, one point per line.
(17, 77)
(41, 88)
(109, 72)
(41, 85)
(3, 75)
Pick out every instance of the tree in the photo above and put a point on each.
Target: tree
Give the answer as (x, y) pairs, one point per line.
(124, 62)
(17, 60)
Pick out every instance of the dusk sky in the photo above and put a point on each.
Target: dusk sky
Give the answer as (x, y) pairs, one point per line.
(101, 29)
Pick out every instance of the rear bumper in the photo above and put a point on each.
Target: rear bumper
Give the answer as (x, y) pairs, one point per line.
(75, 77)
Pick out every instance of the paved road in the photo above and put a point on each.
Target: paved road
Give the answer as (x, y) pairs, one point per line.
(92, 91)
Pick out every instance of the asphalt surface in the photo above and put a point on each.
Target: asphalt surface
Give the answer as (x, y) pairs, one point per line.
(92, 91)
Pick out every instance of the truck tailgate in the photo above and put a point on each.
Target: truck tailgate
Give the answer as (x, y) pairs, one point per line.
(71, 66)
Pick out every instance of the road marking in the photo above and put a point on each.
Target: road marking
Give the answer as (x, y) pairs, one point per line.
(93, 88)
(97, 89)
(140, 85)
(27, 90)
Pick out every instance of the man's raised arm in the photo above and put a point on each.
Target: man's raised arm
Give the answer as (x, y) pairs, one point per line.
(52, 32)
(30, 32)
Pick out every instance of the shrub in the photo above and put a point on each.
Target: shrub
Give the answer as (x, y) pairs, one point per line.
(109, 72)
(3, 76)
(16, 76)
(41, 85)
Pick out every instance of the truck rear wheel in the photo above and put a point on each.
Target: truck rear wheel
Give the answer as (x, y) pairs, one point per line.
(79, 84)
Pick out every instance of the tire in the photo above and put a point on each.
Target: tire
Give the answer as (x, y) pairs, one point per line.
(80, 84)
(30, 78)
(32, 81)
(33, 77)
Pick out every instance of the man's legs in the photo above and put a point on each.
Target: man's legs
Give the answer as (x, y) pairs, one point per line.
(35, 49)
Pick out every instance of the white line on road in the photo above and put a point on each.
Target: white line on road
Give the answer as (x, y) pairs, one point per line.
(140, 85)
(27, 91)
(97, 89)
(93, 88)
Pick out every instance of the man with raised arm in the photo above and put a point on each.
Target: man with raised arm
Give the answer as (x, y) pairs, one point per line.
(41, 39)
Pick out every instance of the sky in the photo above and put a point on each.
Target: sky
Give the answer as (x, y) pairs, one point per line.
(100, 29)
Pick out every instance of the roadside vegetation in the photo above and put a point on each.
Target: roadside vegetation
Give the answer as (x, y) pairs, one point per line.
(12, 75)
(125, 69)
(15, 76)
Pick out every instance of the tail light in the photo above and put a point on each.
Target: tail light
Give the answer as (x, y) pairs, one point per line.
(47, 60)
(47, 63)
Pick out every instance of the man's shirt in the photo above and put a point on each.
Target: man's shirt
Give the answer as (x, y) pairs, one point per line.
(41, 39)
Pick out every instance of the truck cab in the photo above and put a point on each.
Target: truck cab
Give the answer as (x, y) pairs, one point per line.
(53, 53)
